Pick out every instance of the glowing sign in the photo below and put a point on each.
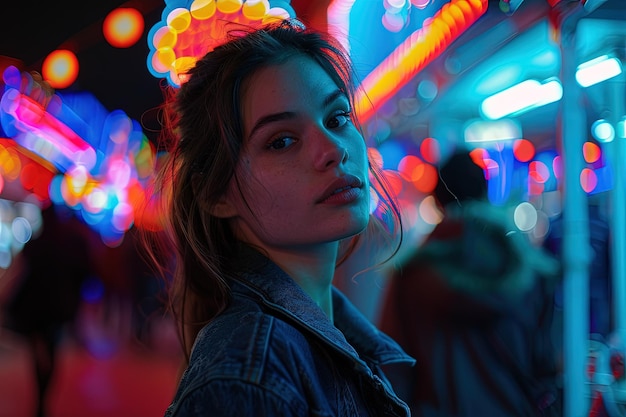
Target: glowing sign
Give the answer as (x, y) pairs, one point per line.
(190, 29)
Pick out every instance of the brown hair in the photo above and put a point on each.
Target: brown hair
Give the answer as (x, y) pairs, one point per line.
(205, 136)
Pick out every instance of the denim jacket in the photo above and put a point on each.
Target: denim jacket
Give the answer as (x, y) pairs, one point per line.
(274, 352)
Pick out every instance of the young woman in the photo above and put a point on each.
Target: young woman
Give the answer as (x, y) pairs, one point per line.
(268, 188)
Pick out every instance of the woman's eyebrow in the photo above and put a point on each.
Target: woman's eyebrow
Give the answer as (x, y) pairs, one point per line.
(271, 118)
(289, 115)
(330, 99)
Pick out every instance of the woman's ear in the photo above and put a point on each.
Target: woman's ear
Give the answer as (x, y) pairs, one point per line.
(224, 209)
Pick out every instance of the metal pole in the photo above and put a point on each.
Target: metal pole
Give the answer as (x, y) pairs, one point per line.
(618, 219)
(576, 245)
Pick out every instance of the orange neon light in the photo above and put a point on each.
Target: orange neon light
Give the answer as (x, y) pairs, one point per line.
(417, 51)
(186, 33)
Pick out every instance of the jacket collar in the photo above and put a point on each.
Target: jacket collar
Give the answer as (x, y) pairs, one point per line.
(351, 334)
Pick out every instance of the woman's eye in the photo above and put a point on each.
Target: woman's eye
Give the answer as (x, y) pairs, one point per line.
(339, 120)
(281, 143)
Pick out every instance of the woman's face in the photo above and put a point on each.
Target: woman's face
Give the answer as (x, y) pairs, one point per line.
(303, 171)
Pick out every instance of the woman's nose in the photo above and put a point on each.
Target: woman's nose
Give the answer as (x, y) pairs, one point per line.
(332, 152)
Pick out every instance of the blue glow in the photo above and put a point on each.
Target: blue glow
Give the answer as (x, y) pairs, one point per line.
(375, 42)
(55, 190)
(92, 290)
(500, 174)
(392, 153)
(605, 180)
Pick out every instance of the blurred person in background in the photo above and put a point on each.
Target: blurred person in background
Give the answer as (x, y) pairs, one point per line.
(474, 306)
(44, 301)
(268, 190)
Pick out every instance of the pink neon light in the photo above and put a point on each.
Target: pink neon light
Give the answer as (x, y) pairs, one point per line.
(36, 124)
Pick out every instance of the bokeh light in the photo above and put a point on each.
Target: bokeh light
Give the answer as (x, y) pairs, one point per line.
(420, 4)
(538, 171)
(392, 152)
(603, 131)
(430, 150)
(591, 152)
(524, 150)
(480, 156)
(427, 90)
(123, 27)
(60, 68)
(22, 230)
(525, 216)
(588, 180)
(429, 212)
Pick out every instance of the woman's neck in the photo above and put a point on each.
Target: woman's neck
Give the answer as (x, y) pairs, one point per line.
(312, 270)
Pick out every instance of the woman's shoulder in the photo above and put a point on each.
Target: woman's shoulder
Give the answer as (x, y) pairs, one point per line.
(248, 348)
(236, 368)
(243, 342)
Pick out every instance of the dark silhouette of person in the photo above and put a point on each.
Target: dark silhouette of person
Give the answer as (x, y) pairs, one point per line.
(47, 294)
(474, 306)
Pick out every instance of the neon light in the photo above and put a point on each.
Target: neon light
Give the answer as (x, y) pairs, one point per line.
(104, 158)
(40, 132)
(188, 31)
(417, 51)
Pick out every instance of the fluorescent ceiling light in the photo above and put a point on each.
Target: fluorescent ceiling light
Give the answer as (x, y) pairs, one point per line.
(521, 98)
(478, 131)
(597, 70)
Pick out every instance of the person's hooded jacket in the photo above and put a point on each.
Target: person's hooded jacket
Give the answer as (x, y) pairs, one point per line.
(474, 307)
